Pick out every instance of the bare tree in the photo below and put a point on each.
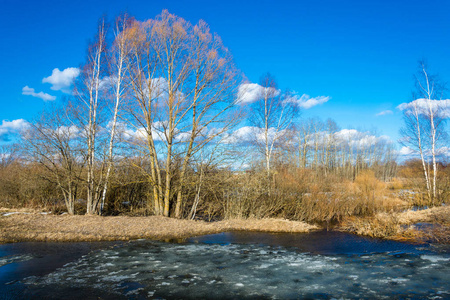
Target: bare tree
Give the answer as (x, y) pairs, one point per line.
(55, 143)
(273, 115)
(88, 91)
(423, 124)
(117, 68)
(8, 154)
(184, 83)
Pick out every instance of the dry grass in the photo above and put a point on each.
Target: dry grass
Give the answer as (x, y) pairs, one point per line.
(19, 210)
(267, 225)
(382, 225)
(65, 228)
(400, 226)
(438, 214)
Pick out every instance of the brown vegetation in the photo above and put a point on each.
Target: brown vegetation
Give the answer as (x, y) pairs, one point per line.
(34, 226)
(403, 225)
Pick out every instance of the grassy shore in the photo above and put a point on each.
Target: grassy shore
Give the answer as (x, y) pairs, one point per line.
(32, 225)
(35, 226)
(418, 226)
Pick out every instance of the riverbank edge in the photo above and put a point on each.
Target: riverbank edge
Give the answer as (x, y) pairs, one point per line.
(37, 226)
(431, 225)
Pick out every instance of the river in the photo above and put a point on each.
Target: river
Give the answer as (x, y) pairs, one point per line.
(232, 265)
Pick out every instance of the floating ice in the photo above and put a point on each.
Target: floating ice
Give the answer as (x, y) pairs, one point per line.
(434, 258)
(14, 258)
(165, 270)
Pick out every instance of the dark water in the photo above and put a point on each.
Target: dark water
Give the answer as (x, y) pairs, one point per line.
(234, 265)
(319, 242)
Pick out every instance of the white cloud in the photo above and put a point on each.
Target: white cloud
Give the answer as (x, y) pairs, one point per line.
(26, 90)
(347, 134)
(62, 80)
(68, 131)
(251, 92)
(248, 134)
(107, 82)
(306, 102)
(443, 152)
(15, 125)
(243, 134)
(358, 139)
(12, 127)
(406, 151)
(140, 134)
(440, 108)
(384, 112)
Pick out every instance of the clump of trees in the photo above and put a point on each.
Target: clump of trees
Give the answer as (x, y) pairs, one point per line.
(160, 90)
(149, 130)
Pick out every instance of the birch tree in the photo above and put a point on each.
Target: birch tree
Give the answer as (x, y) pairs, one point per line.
(272, 114)
(117, 69)
(423, 125)
(184, 83)
(88, 91)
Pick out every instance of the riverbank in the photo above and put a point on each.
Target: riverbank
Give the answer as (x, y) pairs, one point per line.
(32, 225)
(28, 225)
(427, 225)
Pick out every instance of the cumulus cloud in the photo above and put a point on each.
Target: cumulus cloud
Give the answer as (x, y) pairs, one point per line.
(355, 138)
(249, 134)
(406, 151)
(8, 128)
(306, 102)
(440, 152)
(68, 131)
(384, 112)
(251, 92)
(440, 108)
(26, 90)
(243, 134)
(345, 138)
(348, 138)
(62, 80)
(158, 88)
(140, 133)
(347, 134)
(443, 152)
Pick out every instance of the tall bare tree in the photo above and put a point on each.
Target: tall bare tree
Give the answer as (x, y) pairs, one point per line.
(423, 124)
(272, 114)
(88, 91)
(183, 82)
(117, 68)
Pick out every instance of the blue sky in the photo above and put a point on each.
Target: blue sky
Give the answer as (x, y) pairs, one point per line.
(361, 54)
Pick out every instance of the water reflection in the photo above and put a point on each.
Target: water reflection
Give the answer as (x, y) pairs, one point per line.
(319, 242)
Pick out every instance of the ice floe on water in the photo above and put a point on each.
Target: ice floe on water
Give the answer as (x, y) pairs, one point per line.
(435, 258)
(148, 269)
(14, 258)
